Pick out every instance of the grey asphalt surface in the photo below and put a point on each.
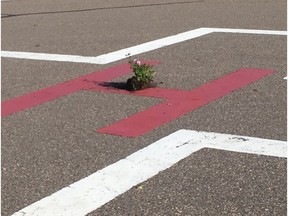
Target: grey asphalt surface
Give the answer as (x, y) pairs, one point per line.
(55, 144)
(210, 183)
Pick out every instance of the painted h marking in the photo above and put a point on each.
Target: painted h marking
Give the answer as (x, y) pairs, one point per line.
(176, 104)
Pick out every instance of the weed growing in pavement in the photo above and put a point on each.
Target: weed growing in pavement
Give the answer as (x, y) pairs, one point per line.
(144, 75)
(143, 72)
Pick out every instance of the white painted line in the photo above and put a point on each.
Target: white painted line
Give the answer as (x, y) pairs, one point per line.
(153, 45)
(135, 50)
(285, 78)
(248, 31)
(90, 193)
(50, 57)
(113, 56)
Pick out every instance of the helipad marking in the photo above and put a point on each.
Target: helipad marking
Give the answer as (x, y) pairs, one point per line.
(90, 193)
(176, 104)
(134, 50)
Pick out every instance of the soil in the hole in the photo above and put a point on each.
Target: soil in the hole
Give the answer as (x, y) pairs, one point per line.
(133, 84)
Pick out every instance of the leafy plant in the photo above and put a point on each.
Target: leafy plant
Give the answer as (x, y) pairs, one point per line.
(144, 72)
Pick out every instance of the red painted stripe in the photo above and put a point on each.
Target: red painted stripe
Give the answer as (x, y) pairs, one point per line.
(147, 120)
(39, 97)
(150, 92)
(86, 82)
(180, 103)
(44, 95)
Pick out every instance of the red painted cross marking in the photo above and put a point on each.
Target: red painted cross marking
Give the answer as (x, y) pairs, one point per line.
(176, 104)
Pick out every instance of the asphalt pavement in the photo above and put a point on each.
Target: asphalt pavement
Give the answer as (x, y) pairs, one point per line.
(51, 144)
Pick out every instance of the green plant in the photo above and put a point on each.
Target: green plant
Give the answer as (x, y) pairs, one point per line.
(144, 72)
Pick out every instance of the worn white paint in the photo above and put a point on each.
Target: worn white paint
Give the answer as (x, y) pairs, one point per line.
(134, 50)
(90, 193)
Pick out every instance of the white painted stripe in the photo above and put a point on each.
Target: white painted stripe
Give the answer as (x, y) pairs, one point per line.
(135, 50)
(153, 45)
(90, 193)
(113, 56)
(50, 57)
(248, 31)
(285, 78)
